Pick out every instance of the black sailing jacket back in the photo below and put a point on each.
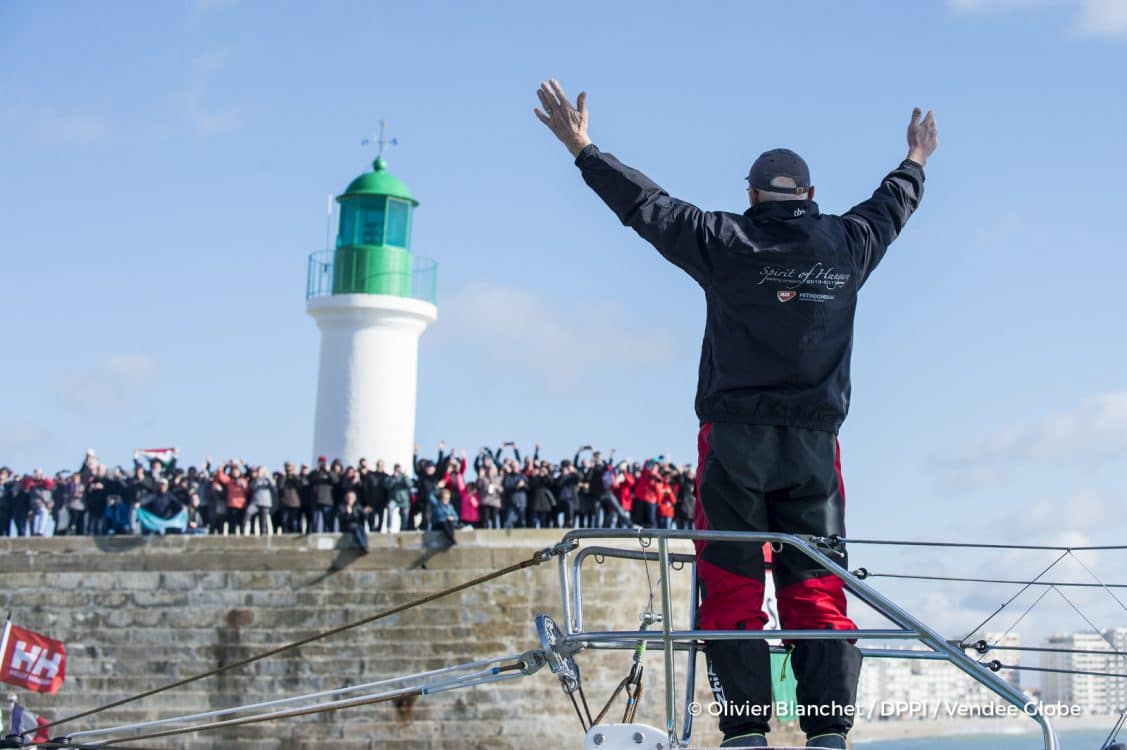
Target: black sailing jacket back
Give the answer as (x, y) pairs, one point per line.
(781, 283)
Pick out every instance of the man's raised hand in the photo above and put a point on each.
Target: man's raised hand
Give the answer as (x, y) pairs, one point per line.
(568, 123)
(923, 137)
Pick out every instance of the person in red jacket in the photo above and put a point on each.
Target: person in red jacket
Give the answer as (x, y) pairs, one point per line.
(666, 503)
(39, 490)
(623, 486)
(230, 478)
(647, 492)
(455, 479)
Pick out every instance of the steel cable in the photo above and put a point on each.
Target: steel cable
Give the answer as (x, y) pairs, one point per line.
(536, 559)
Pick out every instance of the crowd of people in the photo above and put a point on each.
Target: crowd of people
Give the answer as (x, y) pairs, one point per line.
(504, 491)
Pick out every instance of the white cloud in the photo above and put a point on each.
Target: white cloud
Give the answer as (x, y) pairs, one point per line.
(1090, 17)
(1094, 432)
(1103, 18)
(71, 130)
(24, 436)
(133, 367)
(205, 118)
(989, 6)
(206, 6)
(208, 122)
(1003, 230)
(938, 609)
(1080, 520)
(954, 607)
(109, 385)
(510, 326)
(1043, 522)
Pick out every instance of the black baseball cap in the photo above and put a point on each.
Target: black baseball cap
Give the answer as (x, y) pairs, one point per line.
(779, 162)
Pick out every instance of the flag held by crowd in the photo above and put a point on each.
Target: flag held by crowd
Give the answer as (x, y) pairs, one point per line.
(165, 455)
(32, 661)
(154, 524)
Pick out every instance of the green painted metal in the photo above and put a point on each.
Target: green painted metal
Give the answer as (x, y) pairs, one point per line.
(378, 182)
(415, 277)
(374, 236)
(359, 269)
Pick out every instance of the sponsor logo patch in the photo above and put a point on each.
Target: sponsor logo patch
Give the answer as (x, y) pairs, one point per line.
(786, 295)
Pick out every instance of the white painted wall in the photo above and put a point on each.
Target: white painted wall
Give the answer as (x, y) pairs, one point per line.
(368, 376)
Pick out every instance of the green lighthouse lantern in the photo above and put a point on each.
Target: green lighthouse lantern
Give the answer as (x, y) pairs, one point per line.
(372, 253)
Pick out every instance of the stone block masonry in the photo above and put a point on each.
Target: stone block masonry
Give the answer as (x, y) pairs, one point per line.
(138, 612)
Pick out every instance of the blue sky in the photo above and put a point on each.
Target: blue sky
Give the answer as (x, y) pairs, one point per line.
(166, 168)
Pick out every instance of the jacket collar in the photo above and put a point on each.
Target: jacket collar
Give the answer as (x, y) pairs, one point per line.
(782, 210)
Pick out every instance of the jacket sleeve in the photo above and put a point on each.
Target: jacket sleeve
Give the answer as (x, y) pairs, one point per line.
(873, 225)
(678, 230)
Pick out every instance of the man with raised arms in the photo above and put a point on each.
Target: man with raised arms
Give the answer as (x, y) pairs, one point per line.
(780, 281)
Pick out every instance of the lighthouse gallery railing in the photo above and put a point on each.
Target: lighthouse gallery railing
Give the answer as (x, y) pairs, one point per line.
(423, 273)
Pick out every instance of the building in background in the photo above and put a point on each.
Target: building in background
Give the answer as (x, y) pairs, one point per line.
(934, 683)
(371, 298)
(1117, 664)
(1089, 662)
(999, 641)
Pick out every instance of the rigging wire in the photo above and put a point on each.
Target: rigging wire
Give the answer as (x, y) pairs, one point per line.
(1054, 670)
(648, 615)
(273, 716)
(976, 545)
(1015, 596)
(1114, 730)
(1100, 582)
(1022, 617)
(578, 713)
(1057, 585)
(536, 559)
(1047, 650)
(586, 709)
(546, 554)
(59, 745)
(214, 714)
(1078, 610)
(1013, 581)
(471, 680)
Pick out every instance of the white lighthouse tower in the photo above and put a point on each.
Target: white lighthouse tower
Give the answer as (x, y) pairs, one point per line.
(372, 298)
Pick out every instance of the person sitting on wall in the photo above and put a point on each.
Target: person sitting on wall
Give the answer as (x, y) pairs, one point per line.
(119, 515)
(443, 515)
(162, 512)
(353, 520)
(196, 522)
(162, 503)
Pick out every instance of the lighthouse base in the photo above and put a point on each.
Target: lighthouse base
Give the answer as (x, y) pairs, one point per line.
(368, 375)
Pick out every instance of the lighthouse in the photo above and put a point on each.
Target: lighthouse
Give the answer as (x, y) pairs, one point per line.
(371, 298)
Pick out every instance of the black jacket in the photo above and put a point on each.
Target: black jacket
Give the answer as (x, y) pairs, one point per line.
(543, 499)
(322, 485)
(780, 282)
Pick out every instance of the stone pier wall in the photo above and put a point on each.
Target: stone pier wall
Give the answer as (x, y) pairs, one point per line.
(136, 613)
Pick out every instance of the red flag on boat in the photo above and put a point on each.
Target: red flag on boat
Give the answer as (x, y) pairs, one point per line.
(32, 661)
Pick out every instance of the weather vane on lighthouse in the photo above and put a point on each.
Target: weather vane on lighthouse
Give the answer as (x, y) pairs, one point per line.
(380, 142)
